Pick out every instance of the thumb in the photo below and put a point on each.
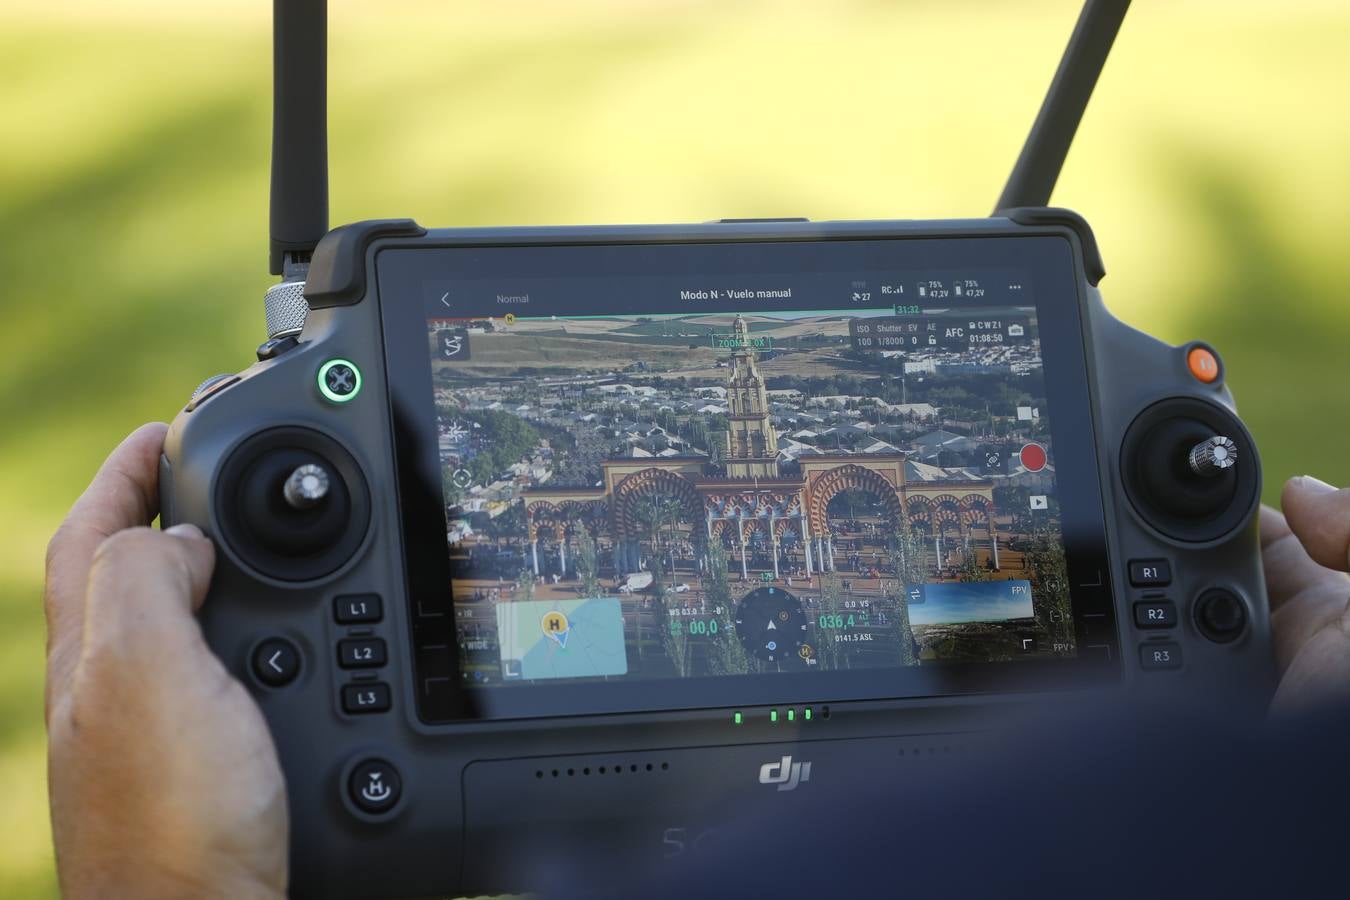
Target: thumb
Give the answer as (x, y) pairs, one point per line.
(1319, 516)
(144, 586)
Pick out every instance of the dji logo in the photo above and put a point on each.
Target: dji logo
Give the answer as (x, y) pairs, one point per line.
(785, 773)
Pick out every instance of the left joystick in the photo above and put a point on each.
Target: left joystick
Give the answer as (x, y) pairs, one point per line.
(306, 487)
(292, 504)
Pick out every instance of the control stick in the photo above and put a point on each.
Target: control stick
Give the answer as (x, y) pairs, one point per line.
(307, 486)
(1212, 456)
(1181, 469)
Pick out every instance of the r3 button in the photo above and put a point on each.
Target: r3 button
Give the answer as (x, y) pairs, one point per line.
(1160, 656)
(374, 787)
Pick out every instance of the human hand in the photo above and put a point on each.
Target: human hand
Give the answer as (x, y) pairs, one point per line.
(1306, 553)
(163, 777)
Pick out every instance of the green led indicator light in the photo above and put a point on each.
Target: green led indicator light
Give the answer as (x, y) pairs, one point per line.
(773, 715)
(806, 714)
(339, 380)
(792, 714)
(736, 719)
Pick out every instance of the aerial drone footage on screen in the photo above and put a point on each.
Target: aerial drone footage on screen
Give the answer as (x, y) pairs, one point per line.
(838, 471)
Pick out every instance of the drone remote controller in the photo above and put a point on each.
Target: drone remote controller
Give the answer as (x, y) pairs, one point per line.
(548, 547)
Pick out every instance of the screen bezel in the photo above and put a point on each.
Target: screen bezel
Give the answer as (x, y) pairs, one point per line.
(402, 275)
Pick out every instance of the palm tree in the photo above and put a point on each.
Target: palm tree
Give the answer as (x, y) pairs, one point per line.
(658, 514)
(655, 512)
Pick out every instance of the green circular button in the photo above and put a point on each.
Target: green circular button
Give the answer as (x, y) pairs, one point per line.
(339, 380)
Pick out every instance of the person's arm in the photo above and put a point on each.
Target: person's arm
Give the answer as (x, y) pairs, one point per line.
(163, 778)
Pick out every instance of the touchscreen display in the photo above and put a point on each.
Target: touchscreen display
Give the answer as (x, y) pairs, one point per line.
(660, 473)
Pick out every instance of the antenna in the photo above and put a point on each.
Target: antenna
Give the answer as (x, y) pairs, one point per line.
(299, 130)
(1033, 177)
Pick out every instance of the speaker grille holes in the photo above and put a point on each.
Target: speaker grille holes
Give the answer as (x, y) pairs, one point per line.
(945, 750)
(616, 769)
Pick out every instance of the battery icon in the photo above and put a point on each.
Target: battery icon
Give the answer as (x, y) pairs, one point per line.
(957, 288)
(923, 291)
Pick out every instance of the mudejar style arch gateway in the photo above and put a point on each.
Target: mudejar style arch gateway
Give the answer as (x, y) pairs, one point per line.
(758, 507)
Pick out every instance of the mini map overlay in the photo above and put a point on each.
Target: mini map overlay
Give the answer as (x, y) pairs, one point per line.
(545, 639)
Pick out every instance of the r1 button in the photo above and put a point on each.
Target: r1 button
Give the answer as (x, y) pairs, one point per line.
(375, 786)
(276, 662)
(1150, 572)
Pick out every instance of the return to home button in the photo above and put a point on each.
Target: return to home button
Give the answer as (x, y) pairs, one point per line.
(375, 786)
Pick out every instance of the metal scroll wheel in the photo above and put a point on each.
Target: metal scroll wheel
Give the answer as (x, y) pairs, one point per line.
(208, 384)
(286, 308)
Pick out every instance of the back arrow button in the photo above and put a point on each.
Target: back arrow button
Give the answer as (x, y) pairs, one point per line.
(276, 662)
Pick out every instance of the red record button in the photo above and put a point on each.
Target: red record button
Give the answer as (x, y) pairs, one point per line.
(1033, 457)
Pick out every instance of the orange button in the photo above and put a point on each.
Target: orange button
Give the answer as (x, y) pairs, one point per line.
(1203, 364)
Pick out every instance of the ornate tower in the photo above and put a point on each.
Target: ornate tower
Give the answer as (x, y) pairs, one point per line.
(752, 444)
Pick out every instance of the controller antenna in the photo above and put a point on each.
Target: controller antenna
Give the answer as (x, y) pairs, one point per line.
(1037, 169)
(299, 128)
(299, 209)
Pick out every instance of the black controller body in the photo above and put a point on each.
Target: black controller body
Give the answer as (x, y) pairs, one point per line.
(492, 805)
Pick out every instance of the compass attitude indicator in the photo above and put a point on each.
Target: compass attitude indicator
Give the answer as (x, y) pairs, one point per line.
(771, 625)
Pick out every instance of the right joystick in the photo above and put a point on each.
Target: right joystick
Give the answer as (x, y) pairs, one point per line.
(1189, 469)
(1212, 455)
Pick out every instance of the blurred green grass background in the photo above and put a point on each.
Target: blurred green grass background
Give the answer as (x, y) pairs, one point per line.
(1214, 165)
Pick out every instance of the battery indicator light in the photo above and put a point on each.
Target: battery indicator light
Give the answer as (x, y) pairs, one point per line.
(792, 714)
(806, 714)
(773, 716)
(737, 719)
